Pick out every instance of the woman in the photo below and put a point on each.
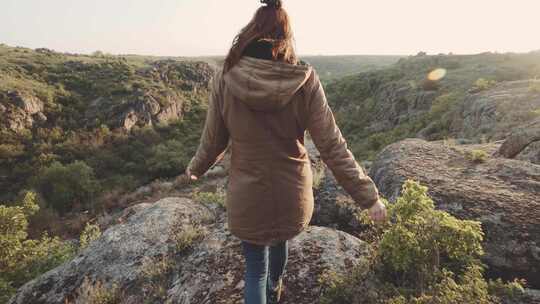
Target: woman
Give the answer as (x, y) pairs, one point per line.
(263, 101)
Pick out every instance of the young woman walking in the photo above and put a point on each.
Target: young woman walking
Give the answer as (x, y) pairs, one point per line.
(263, 101)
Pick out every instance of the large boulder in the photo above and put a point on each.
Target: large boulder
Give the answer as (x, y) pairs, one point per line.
(519, 140)
(203, 260)
(501, 193)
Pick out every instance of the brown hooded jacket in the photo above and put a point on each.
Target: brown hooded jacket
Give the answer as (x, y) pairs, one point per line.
(264, 108)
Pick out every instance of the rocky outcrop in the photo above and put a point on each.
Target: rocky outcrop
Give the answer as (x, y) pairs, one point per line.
(143, 110)
(519, 140)
(208, 269)
(501, 193)
(180, 75)
(20, 111)
(497, 111)
(398, 103)
(531, 153)
(148, 106)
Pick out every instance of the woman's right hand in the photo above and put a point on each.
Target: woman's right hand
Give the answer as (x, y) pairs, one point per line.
(377, 212)
(189, 176)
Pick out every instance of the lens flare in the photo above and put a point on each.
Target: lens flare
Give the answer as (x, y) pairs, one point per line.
(436, 74)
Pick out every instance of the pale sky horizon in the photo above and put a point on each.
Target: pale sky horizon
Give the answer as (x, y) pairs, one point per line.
(207, 27)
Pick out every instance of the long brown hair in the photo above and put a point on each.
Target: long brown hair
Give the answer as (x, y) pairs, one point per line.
(271, 23)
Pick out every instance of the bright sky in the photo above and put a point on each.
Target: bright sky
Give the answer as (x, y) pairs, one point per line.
(207, 27)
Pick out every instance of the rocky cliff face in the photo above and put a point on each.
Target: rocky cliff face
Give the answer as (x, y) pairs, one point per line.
(501, 193)
(164, 102)
(179, 251)
(20, 111)
(498, 111)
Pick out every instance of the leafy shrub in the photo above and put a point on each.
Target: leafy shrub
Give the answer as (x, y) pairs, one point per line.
(318, 176)
(8, 151)
(90, 233)
(63, 186)
(423, 256)
(512, 290)
(534, 87)
(22, 259)
(185, 238)
(6, 291)
(167, 159)
(156, 278)
(477, 156)
(482, 84)
(422, 241)
(97, 293)
(209, 198)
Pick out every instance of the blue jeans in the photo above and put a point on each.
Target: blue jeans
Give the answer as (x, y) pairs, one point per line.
(262, 263)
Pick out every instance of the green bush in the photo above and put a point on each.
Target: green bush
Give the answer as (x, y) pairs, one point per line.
(97, 293)
(318, 177)
(534, 87)
(90, 233)
(482, 84)
(8, 151)
(22, 259)
(185, 239)
(64, 186)
(423, 256)
(6, 291)
(218, 197)
(422, 241)
(157, 277)
(168, 159)
(477, 156)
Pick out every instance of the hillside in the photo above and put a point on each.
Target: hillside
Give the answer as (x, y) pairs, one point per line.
(475, 93)
(81, 129)
(328, 67)
(335, 67)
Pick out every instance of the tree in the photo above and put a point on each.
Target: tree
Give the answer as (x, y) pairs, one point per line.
(22, 259)
(66, 186)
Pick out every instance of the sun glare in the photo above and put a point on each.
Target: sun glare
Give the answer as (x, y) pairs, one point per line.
(437, 74)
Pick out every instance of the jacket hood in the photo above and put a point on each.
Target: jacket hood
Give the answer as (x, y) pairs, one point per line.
(265, 85)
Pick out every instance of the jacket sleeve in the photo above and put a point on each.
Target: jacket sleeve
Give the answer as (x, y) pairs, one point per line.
(332, 146)
(215, 136)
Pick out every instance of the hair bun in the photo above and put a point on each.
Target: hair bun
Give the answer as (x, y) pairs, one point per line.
(272, 3)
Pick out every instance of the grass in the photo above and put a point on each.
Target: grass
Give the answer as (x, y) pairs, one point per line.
(185, 238)
(156, 278)
(211, 198)
(97, 293)
(318, 177)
